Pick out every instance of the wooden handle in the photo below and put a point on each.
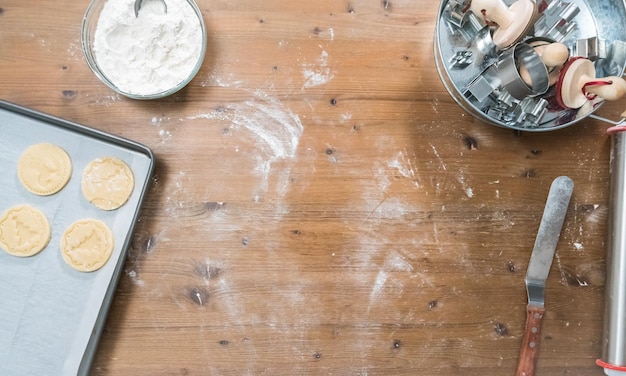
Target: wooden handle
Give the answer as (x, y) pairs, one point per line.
(495, 10)
(530, 343)
(553, 54)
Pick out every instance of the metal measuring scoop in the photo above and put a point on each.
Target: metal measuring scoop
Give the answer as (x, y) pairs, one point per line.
(138, 6)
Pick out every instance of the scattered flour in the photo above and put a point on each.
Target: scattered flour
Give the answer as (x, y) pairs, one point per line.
(75, 50)
(151, 53)
(404, 165)
(318, 73)
(393, 208)
(106, 100)
(133, 277)
(164, 134)
(275, 127)
(443, 165)
(392, 277)
(469, 191)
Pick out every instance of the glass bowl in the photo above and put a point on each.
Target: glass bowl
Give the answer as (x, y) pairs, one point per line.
(107, 73)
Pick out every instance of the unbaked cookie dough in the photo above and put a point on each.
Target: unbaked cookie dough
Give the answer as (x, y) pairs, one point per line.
(44, 169)
(24, 231)
(87, 245)
(107, 183)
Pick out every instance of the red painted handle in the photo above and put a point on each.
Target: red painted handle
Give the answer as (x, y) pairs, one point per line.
(530, 343)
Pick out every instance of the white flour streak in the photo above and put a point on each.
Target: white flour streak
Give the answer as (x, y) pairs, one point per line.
(434, 104)
(318, 73)
(215, 80)
(395, 263)
(228, 298)
(469, 191)
(441, 162)
(383, 180)
(379, 284)
(392, 208)
(404, 166)
(276, 129)
(178, 200)
(598, 214)
(107, 100)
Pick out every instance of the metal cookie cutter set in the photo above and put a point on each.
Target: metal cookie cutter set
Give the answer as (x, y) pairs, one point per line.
(531, 65)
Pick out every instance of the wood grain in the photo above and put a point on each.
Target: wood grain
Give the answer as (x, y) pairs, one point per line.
(362, 224)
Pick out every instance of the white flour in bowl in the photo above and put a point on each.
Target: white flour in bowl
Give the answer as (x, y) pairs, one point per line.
(151, 53)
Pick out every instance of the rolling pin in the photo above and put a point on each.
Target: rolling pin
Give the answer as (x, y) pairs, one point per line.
(614, 337)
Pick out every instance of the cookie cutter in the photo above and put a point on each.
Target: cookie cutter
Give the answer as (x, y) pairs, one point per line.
(509, 70)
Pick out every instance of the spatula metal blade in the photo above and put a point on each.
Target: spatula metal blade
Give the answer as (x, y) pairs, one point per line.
(547, 238)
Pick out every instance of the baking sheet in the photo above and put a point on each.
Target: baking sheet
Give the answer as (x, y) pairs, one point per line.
(52, 315)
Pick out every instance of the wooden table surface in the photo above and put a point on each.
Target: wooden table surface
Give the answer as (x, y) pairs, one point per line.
(320, 204)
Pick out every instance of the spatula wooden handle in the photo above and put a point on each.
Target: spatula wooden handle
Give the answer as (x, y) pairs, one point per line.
(530, 343)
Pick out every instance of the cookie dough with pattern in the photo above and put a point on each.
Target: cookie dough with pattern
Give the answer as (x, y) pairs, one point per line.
(24, 231)
(107, 183)
(87, 245)
(44, 169)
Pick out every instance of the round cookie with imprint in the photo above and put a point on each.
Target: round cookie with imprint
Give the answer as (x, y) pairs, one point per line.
(44, 169)
(108, 183)
(87, 245)
(24, 231)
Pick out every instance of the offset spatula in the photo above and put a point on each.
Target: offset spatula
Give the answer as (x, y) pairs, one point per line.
(538, 269)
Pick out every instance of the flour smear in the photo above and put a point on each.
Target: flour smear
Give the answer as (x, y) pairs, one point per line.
(317, 73)
(276, 129)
